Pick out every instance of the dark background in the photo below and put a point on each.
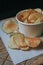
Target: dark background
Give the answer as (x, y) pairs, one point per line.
(9, 8)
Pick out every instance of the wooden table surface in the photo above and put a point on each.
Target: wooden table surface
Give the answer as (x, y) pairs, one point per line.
(6, 60)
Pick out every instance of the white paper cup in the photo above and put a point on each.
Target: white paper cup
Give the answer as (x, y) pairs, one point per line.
(29, 30)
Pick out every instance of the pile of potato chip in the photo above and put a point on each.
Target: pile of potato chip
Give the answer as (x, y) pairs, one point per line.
(31, 16)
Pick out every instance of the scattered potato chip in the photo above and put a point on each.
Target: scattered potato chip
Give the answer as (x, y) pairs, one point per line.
(24, 48)
(27, 41)
(34, 42)
(12, 44)
(10, 26)
(19, 39)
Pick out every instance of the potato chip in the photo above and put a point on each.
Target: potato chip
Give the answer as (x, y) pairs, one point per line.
(12, 44)
(10, 26)
(38, 10)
